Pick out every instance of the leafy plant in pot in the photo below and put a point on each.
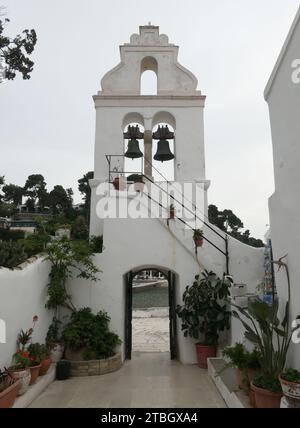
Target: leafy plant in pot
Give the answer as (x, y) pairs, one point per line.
(205, 313)
(8, 389)
(290, 384)
(172, 211)
(54, 341)
(272, 337)
(20, 370)
(40, 354)
(198, 237)
(246, 363)
(119, 183)
(87, 336)
(138, 181)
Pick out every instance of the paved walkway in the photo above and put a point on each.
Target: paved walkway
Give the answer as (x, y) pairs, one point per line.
(148, 380)
(150, 330)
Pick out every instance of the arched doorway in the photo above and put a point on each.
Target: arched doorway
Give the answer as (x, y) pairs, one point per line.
(129, 290)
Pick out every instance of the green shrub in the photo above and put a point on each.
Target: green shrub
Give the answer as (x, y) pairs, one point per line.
(96, 244)
(91, 332)
(11, 254)
(291, 375)
(35, 243)
(11, 235)
(268, 382)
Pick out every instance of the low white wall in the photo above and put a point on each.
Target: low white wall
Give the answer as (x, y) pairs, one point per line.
(22, 296)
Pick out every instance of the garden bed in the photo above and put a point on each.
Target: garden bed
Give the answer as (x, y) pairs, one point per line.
(96, 367)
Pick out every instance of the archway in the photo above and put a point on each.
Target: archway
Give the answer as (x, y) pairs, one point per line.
(149, 70)
(133, 166)
(149, 281)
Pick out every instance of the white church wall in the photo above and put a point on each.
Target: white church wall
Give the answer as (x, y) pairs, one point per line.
(283, 97)
(23, 295)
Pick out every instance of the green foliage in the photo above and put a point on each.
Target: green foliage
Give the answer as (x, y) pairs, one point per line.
(89, 331)
(268, 382)
(271, 336)
(60, 199)
(241, 358)
(35, 243)
(226, 220)
(64, 256)
(291, 375)
(205, 310)
(16, 51)
(198, 234)
(53, 334)
(80, 229)
(11, 254)
(96, 244)
(11, 235)
(38, 352)
(85, 190)
(136, 178)
(13, 193)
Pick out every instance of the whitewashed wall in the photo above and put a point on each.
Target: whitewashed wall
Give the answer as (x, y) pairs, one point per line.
(23, 295)
(283, 97)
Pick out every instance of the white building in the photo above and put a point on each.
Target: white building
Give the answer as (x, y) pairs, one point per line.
(135, 244)
(283, 97)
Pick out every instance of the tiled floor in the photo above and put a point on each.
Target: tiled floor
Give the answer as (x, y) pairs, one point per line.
(148, 380)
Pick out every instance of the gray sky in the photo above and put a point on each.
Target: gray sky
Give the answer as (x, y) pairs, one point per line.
(47, 123)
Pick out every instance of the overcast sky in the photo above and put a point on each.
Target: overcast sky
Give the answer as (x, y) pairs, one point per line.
(47, 123)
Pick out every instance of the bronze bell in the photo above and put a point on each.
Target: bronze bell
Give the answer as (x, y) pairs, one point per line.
(133, 150)
(163, 152)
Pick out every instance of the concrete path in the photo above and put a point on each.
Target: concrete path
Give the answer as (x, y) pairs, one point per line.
(148, 380)
(150, 330)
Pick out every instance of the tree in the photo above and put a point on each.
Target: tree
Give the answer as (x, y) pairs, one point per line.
(14, 53)
(60, 199)
(227, 221)
(13, 193)
(35, 188)
(85, 190)
(2, 182)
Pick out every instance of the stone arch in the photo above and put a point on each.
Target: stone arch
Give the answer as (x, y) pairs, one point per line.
(149, 76)
(132, 117)
(164, 117)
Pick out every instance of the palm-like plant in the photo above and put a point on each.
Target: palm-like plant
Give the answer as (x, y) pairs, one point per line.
(263, 328)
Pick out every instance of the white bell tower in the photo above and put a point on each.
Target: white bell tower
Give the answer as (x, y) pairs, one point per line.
(178, 103)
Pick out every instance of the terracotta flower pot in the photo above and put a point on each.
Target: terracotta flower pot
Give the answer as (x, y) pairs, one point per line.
(119, 183)
(242, 381)
(24, 376)
(8, 396)
(252, 398)
(265, 399)
(290, 389)
(45, 364)
(204, 352)
(139, 186)
(34, 371)
(199, 242)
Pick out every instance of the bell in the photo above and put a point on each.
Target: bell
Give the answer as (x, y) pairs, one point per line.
(163, 152)
(133, 150)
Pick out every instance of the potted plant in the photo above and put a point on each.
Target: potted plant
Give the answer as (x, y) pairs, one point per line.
(273, 338)
(198, 237)
(119, 183)
(54, 341)
(290, 383)
(172, 212)
(246, 363)
(138, 181)
(20, 370)
(8, 389)
(87, 336)
(40, 354)
(34, 368)
(204, 313)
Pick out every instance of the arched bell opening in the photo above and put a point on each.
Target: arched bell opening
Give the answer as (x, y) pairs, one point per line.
(148, 82)
(163, 152)
(133, 133)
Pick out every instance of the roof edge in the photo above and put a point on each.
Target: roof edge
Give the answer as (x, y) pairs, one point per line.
(281, 55)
